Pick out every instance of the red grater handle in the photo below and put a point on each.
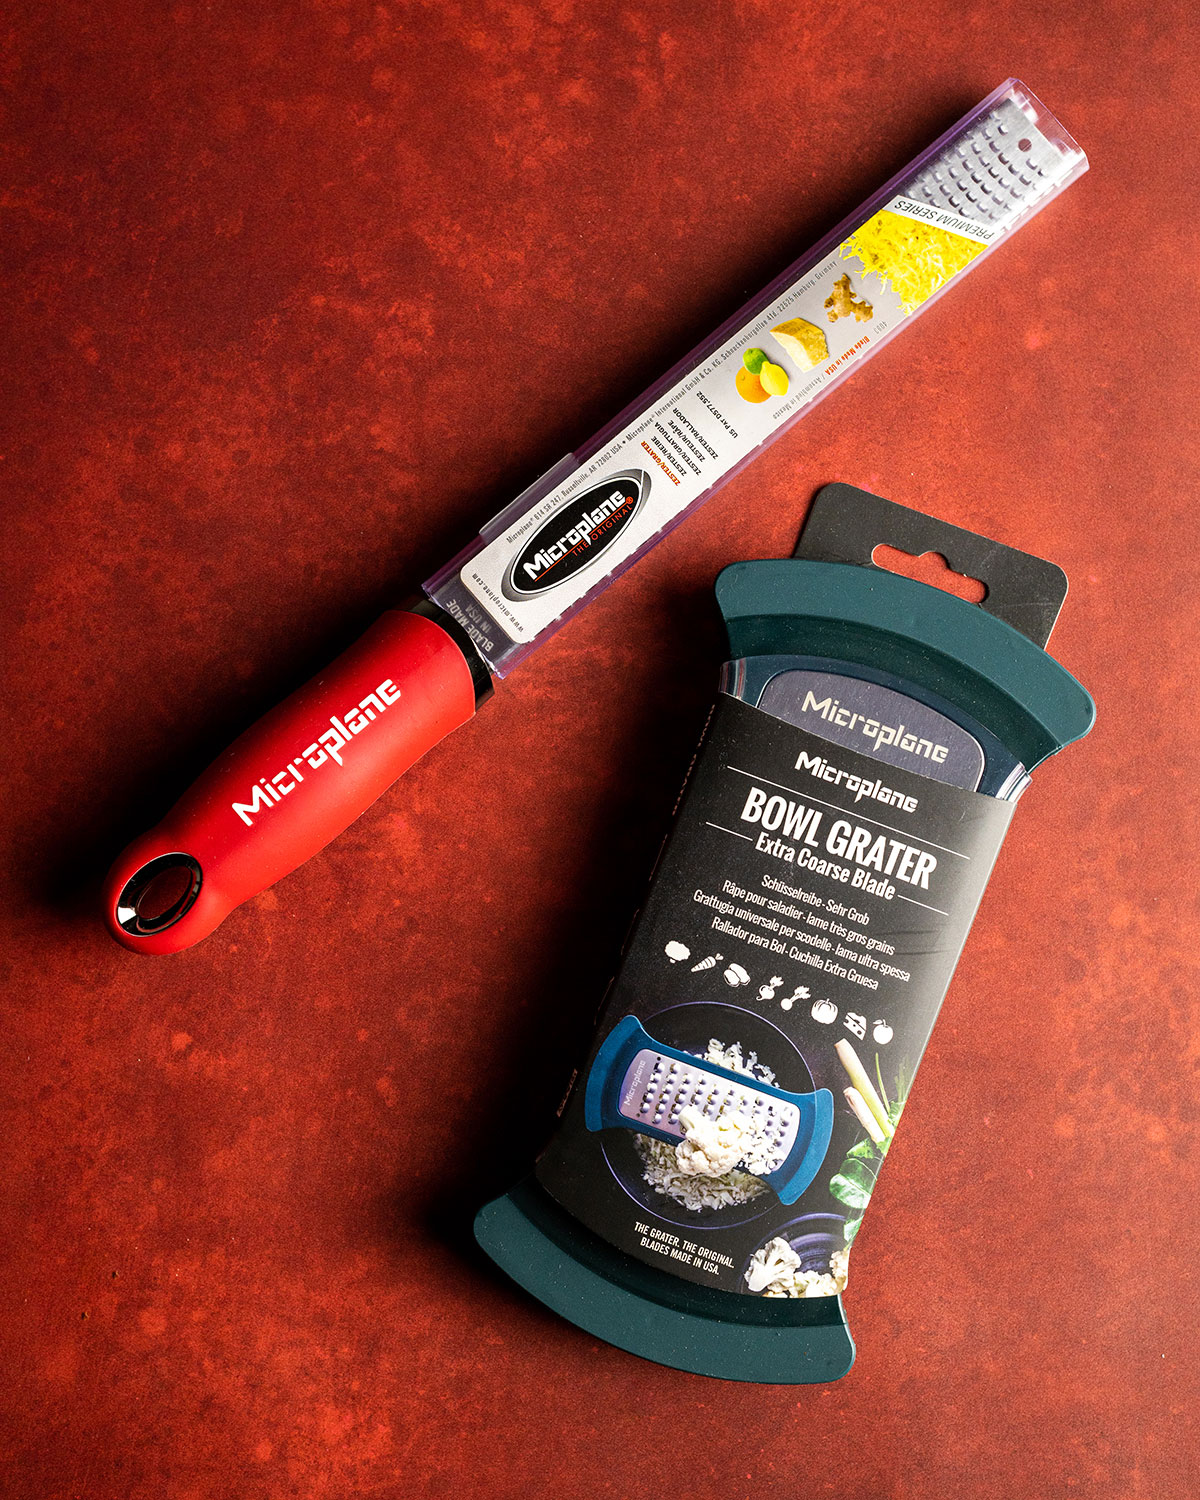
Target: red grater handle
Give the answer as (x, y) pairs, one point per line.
(291, 783)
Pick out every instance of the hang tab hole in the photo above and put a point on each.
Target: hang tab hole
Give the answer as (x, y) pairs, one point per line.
(1025, 144)
(931, 568)
(159, 894)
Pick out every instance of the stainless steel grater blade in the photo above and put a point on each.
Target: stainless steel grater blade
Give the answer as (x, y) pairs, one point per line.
(996, 170)
(657, 1088)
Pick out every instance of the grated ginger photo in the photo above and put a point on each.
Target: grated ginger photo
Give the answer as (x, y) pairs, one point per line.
(842, 302)
(913, 258)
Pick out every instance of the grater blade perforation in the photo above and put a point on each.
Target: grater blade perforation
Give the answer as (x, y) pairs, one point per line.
(995, 172)
(656, 1090)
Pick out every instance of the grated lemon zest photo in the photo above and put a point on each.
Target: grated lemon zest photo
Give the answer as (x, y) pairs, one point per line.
(914, 259)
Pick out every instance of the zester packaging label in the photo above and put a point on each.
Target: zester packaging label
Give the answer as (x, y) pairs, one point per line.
(758, 373)
(801, 929)
(711, 420)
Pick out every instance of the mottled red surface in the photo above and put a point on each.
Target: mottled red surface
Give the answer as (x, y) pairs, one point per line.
(297, 294)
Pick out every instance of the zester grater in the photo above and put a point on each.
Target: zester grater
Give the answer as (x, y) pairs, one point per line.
(640, 1084)
(296, 779)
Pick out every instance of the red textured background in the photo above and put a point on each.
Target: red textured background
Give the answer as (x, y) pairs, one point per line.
(296, 296)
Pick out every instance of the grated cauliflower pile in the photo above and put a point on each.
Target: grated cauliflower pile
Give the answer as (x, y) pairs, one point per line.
(702, 1171)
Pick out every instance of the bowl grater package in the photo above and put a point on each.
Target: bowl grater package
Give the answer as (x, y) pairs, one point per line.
(718, 1149)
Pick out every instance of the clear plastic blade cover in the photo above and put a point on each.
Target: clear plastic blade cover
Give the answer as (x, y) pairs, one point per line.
(598, 510)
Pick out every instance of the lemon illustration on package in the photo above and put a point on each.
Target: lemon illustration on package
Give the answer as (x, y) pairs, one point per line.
(759, 378)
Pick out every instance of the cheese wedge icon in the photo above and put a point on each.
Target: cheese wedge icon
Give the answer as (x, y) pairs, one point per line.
(804, 342)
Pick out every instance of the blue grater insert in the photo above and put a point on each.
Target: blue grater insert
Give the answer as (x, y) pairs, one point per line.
(637, 1083)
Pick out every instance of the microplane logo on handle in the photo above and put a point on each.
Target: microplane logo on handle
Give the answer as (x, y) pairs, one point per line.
(576, 534)
(266, 792)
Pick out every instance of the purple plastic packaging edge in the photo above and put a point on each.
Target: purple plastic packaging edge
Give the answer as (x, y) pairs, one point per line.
(1045, 121)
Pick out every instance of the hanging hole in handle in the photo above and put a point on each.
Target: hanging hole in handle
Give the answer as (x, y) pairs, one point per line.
(931, 568)
(156, 896)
